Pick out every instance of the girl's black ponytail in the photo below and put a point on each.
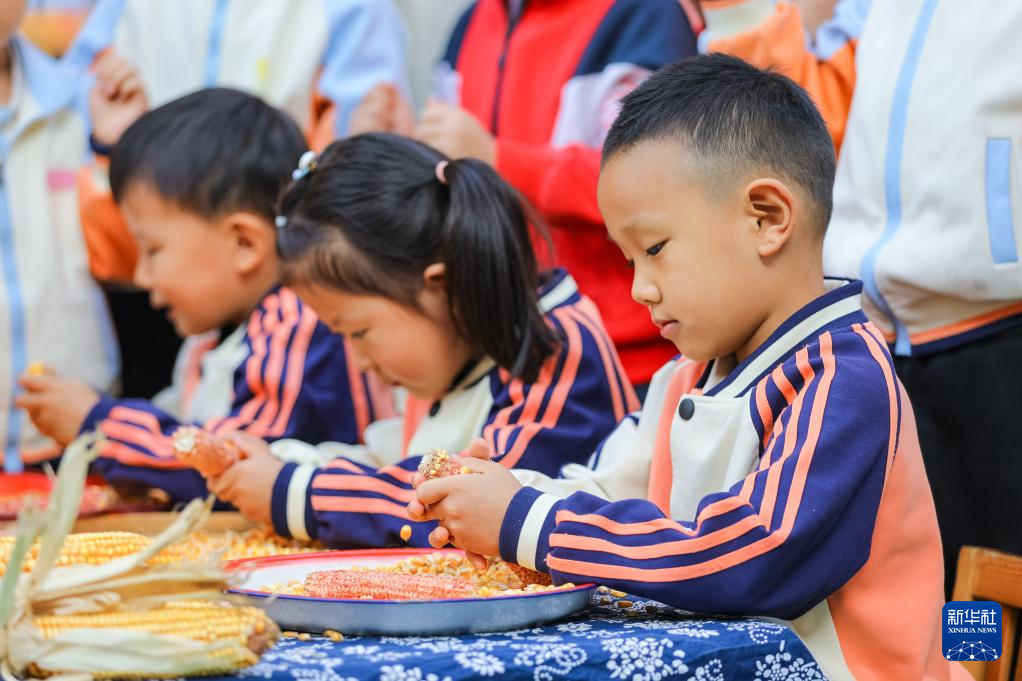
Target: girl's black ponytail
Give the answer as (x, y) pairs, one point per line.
(375, 210)
(489, 258)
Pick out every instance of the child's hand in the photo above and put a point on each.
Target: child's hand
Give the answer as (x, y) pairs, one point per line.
(470, 507)
(57, 406)
(116, 100)
(456, 133)
(248, 484)
(383, 109)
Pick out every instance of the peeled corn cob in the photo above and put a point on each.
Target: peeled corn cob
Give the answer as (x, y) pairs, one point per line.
(86, 548)
(437, 463)
(239, 634)
(204, 451)
(369, 584)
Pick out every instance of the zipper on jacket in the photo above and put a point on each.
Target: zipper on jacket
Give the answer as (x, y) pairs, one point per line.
(512, 21)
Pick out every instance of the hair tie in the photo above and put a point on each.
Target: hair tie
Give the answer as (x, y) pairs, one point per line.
(306, 164)
(439, 170)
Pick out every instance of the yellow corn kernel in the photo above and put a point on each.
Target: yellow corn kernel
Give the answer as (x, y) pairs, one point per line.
(406, 532)
(92, 548)
(36, 368)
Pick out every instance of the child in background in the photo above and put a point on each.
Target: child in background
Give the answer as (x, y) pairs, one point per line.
(531, 88)
(197, 180)
(50, 308)
(426, 266)
(314, 59)
(773, 471)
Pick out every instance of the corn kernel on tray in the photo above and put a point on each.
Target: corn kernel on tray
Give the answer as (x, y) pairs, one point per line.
(401, 592)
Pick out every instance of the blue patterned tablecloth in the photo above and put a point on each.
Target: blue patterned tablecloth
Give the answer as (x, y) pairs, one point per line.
(642, 641)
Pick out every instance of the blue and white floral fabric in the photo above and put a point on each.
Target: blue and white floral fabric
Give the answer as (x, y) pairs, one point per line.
(643, 641)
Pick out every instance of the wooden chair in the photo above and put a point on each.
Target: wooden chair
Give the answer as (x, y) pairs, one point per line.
(989, 575)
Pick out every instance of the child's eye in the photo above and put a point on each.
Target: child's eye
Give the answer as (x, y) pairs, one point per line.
(358, 335)
(653, 250)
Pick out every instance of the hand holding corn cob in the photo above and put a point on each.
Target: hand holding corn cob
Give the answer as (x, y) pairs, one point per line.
(470, 509)
(207, 453)
(248, 484)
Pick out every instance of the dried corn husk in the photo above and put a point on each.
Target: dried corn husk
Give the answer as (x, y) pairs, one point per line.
(91, 649)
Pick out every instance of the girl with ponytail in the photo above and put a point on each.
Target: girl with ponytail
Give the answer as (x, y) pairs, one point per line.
(425, 265)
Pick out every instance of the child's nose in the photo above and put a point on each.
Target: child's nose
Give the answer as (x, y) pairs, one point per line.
(644, 291)
(362, 361)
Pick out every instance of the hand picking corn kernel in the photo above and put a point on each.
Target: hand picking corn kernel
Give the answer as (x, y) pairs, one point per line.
(437, 463)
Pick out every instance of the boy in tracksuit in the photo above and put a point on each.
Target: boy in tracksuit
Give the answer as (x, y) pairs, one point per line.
(200, 198)
(926, 213)
(776, 470)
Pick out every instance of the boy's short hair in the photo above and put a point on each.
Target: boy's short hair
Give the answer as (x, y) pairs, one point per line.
(737, 120)
(212, 152)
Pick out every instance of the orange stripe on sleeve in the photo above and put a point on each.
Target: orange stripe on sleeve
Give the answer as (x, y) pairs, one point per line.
(745, 553)
(354, 505)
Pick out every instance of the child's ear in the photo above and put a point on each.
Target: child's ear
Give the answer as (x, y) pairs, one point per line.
(771, 205)
(252, 241)
(434, 277)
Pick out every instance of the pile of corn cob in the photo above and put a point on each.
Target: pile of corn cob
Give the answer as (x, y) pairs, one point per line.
(132, 616)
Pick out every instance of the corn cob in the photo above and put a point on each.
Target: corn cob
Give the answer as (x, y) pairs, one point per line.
(204, 451)
(530, 576)
(370, 584)
(240, 634)
(437, 463)
(87, 548)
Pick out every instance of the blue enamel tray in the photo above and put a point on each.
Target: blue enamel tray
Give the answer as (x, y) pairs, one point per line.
(363, 617)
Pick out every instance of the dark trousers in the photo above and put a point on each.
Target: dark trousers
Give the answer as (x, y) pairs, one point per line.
(968, 406)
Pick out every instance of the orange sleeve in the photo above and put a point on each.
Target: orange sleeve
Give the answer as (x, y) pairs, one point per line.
(111, 248)
(779, 42)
